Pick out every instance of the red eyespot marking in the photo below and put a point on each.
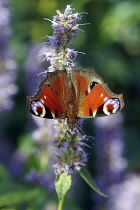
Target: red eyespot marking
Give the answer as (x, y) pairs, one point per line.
(78, 93)
(111, 106)
(39, 110)
(51, 101)
(94, 100)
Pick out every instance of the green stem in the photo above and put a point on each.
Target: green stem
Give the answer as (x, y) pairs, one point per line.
(60, 204)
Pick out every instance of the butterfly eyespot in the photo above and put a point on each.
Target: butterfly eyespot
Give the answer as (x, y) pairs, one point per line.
(111, 106)
(92, 84)
(49, 86)
(37, 108)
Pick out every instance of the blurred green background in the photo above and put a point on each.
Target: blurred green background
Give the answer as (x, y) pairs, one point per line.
(111, 44)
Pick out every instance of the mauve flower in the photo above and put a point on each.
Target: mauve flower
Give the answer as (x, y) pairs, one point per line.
(41, 179)
(4, 14)
(65, 146)
(70, 156)
(8, 67)
(65, 28)
(126, 194)
(110, 163)
(35, 64)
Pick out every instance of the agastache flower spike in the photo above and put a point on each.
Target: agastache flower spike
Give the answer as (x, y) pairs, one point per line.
(71, 155)
(8, 66)
(68, 146)
(57, 50)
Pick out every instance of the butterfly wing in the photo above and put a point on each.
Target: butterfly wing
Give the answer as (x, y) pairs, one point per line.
(94, 98)
(49, 102)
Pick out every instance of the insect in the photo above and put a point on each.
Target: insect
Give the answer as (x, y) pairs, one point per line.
(79, 93)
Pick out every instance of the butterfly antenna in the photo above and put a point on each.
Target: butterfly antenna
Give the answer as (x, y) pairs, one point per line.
(78, 128)
(86, 136)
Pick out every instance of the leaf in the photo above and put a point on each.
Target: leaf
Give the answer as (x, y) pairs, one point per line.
(4, 175)
(12, 194)
(62, 185)
(8, 208)
(89, 180)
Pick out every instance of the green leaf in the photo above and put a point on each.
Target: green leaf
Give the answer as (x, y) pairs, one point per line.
(4, 175)
(89, 180)
(62, 185)
(8, 208)
(12, 194)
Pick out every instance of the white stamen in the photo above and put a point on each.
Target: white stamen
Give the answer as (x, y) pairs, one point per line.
(82, 24)
(53, 22)
(81, 53)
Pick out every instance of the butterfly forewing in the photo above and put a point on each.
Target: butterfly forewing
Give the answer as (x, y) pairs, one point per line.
(78, 93)
(93, 95)
(49, 102)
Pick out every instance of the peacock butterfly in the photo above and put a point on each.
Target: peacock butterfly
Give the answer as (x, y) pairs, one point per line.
(79, 93)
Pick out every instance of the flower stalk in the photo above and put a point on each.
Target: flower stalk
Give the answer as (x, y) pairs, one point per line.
(68, 146)
(70, 156)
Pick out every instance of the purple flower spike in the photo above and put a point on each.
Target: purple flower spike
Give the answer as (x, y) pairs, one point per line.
(71, 156)
(8, 67)
(65, 28)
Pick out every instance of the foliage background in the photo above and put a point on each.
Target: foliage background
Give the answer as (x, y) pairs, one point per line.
(111, 44)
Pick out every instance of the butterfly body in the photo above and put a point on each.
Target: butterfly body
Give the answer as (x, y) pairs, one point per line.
(79, 93)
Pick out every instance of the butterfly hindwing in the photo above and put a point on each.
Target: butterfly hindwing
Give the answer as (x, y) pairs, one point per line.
(94, 97)
(71, 94)
(49, 100)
